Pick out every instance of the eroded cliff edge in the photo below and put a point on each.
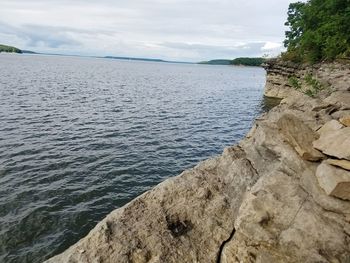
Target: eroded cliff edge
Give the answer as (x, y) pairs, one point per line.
(260, 201)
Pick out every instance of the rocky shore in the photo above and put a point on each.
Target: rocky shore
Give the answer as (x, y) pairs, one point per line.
(281, 195)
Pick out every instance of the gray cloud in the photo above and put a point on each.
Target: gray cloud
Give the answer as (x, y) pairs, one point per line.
(50, 37)
(35, 36)
(207, 51)
(169, 29)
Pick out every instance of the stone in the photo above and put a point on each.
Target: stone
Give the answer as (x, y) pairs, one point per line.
(289, 233)
(345, 121)
(340, 163)
(341, 98)
(277, 87)
(334, 181)
(330, 126)
(340, 114)
(300, 136)
(309, 182)
(336, 143)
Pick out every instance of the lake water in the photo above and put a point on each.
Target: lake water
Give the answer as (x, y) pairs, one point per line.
(80, 137)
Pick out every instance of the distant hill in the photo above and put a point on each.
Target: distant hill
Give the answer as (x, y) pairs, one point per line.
(244, 61)
(29, 52)
(9, 49)
(139, 59)
(217, 62)
(146, 59)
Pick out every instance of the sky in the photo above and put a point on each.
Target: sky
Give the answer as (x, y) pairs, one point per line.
(181, 30)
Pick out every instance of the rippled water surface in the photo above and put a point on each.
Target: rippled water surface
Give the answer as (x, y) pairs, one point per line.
(80, 137)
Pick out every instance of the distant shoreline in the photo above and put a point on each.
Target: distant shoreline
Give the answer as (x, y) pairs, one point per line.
(241, 61)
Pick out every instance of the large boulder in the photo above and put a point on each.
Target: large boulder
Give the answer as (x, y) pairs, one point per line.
(341, 98)
(336, 143)
(300, 136)
(279, 222)
(334, 181)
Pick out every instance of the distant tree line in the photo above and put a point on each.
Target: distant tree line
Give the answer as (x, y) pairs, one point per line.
(4, 48)
(248, 61)
(244, 61)
(318, 30)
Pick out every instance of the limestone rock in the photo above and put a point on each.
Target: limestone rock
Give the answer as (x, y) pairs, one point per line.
(335, 143)
(340, 163)
(267, 146)
(345, 121)
(184, 219)
(279, 222)
(300, 136)
(277, 87)
(341, 98)
(334, 181)
(330, 126)
(340, 114)
(309, 182)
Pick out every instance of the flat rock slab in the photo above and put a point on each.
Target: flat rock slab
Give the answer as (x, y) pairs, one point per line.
(334, 181)
(339, 163)
(336, 143)
(341, 98)
(330, 126)
(300, 136)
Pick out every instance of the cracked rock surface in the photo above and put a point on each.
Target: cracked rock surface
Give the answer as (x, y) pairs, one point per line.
(260, 201)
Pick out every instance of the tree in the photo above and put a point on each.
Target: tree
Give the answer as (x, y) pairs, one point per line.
(319, 30)
(4, 48)
(295, 22)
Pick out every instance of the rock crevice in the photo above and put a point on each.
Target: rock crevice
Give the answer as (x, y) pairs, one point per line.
(219, 260)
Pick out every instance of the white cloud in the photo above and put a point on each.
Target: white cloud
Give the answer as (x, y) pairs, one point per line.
(169, 29)
(271, 45)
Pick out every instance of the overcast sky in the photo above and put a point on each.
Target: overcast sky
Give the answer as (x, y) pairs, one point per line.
(186, 30)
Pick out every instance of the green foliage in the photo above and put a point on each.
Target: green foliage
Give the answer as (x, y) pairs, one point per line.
(294, 82)
(248, 61)
(307, 85)
(318, 30)
(314, 85)
(4, 48)
(310, 93)
(295, 22)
